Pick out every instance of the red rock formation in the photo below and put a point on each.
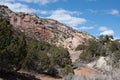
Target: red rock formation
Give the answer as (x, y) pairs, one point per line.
(46, 29)
(29, 24)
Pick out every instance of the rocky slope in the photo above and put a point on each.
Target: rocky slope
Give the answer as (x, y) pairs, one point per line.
(45, 29)
(5, 12)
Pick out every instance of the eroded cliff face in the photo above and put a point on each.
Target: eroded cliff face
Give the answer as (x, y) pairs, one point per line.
(45, 29)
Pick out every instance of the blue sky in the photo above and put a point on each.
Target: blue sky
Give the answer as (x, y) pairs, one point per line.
(97, 17)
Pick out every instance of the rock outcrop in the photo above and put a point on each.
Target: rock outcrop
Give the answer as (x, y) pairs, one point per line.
(45, 29)
(5, 12)
(101, 64)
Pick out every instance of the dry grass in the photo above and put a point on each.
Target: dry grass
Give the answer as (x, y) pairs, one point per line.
(114, 74)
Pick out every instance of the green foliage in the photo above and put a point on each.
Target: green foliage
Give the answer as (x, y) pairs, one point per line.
(67, 69)
(60, 57)
(12, 48)
(17, 51)
(97, 48)
(105, 39)
(5, 33)
(114, 46)
(104, 46)
(37, 59)
(115, 56)
(92, 51)
(43, 56)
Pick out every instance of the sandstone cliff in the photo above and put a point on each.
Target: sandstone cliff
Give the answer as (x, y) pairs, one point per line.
(45, 29)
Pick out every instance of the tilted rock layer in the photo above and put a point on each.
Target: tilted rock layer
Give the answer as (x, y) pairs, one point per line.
(45, 29)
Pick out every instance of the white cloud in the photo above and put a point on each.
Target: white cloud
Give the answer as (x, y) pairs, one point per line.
(108, 32)
(19, 7)
(43, 12)
(67, 17)
(113, 12)
(103, 28)
(105, 31)
(84, 28)
(43, 2)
